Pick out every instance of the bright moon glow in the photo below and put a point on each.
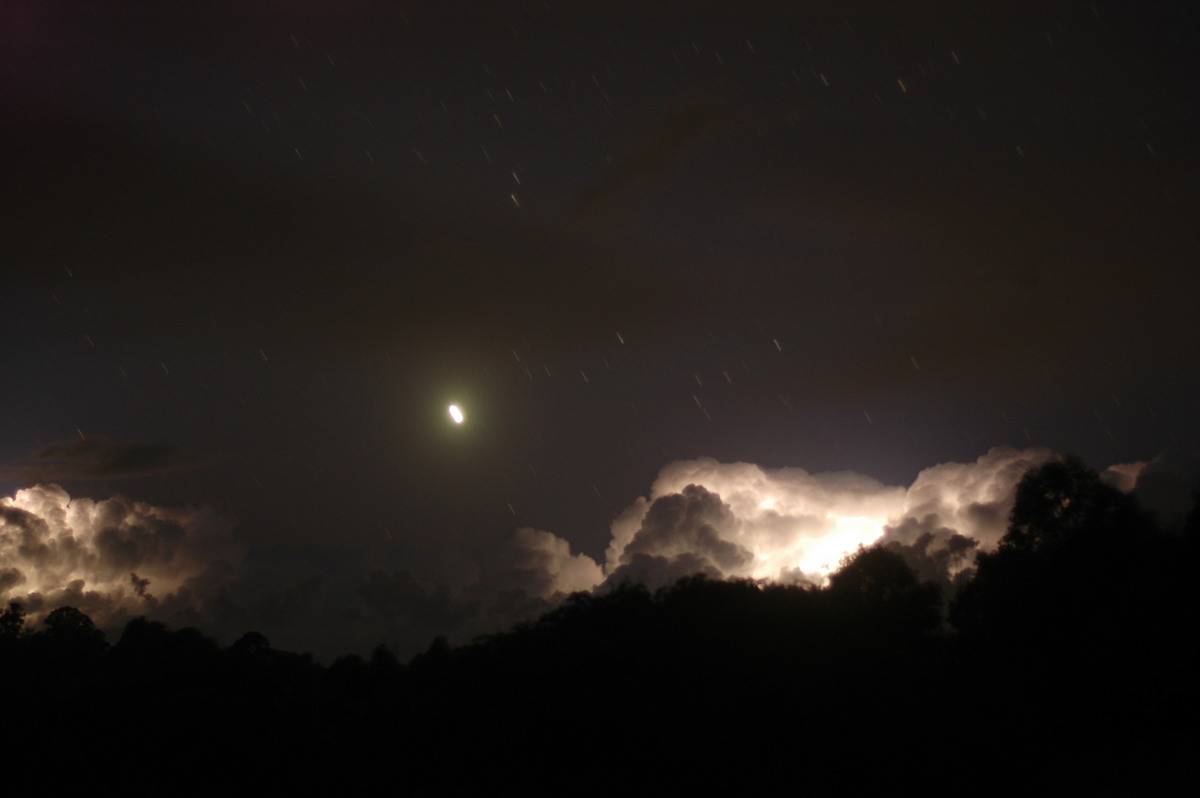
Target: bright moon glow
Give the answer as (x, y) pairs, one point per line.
(456, 414)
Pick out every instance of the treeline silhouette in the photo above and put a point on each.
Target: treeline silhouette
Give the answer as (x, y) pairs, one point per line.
(1067, 662)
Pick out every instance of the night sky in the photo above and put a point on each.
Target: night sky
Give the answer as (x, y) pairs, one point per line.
(252, 251)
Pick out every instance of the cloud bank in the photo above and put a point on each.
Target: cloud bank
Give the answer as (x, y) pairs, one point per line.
(117, 558)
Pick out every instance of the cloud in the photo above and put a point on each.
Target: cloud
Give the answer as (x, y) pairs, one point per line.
(954, 510)
(735, 520)
(93, 458)
(526, 576)
(113, 558)
(541, 565)
(973, 499)
(1165, 485)
(790, 523)
(117, 558)
(412, 609)
(692, 531)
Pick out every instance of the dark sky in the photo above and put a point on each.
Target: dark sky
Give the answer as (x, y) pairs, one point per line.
(253, 250)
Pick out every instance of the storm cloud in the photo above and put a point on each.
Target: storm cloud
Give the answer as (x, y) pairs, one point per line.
(98, 458)
(112, 558)
(116, 558)
(740, 520)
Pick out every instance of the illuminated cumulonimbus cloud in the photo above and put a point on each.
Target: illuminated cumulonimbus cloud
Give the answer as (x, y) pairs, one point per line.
(784, 525)
(789, 525)
(116, 558)
(111, 558)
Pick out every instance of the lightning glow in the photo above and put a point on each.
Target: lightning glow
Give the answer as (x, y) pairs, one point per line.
(108, 558)
(787, 525)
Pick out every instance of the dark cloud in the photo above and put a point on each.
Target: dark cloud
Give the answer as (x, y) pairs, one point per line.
(125, 545)
(655, 571)
(935, 553)
(1168, 486)
(251, 601)
(523, 577)
(98, 458)
(9, 578)
(411, 609)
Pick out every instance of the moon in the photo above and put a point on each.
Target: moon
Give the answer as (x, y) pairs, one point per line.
(456, 414)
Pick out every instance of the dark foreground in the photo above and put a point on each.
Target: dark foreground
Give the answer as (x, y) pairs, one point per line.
(1067, 662)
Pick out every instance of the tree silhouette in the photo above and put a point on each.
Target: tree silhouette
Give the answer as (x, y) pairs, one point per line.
(876, 587)
(69, 622)
(70, 635)
(1062, 623)
(1071, 539)
(12, 621)
(1191, 523)
(251, 644)
(1063, 499)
